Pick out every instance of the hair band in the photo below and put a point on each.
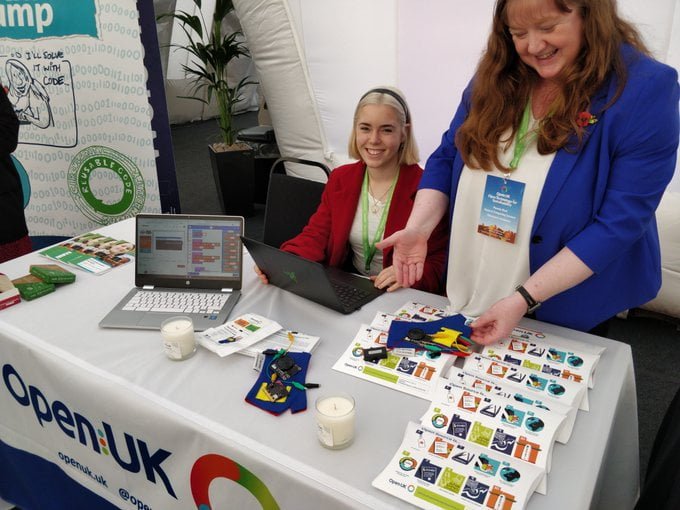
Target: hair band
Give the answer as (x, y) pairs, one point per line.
(393, 94)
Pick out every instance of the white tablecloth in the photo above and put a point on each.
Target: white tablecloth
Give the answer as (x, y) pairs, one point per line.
(598, 468)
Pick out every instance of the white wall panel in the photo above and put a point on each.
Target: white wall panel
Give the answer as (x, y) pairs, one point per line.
(351, 46)
(438, 51)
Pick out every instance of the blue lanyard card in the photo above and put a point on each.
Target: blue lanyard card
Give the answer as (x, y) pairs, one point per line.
(501, 206)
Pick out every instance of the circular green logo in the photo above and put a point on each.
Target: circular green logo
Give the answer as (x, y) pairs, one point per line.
(117, 167)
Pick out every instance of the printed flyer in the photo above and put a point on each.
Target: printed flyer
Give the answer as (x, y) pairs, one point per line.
(415, 375)
(572, 357)
(281, 340)
(546, 360)
(410, 311)
(486, 385)
(432, 470)
(528, 382)
(91, 252)
(238, 334)
(505, 427)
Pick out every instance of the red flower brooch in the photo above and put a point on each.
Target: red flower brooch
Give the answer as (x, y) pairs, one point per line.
(585, 119)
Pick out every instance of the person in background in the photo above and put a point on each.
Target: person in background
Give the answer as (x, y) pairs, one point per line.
(14, 240)
(372, 198)
(552, 170)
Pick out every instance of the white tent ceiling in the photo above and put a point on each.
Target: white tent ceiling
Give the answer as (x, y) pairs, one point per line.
(427, 48)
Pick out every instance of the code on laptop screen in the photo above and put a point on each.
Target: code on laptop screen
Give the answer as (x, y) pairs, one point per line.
(189, 247)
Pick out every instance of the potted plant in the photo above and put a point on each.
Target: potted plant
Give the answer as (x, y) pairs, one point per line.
(210, 52)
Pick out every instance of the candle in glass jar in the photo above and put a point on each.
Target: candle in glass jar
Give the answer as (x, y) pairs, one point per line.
(178, 337)
(335, 417)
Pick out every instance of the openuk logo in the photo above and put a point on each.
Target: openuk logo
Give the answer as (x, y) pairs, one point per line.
(132, 454)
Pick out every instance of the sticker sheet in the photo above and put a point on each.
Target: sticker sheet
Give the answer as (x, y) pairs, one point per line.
(433, 470)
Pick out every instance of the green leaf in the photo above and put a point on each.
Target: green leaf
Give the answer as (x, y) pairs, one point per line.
(208, 62)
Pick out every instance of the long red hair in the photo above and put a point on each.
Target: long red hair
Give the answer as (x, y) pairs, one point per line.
(503, 83)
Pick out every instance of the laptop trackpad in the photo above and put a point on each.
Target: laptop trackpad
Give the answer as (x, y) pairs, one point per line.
(153, 320)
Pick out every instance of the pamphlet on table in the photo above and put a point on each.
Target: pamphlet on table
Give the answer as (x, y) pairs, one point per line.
(486, 440)
(237, 334)
(528, 382)
(486, 385)
(433, 470)
(91, 252)
(281, 340)
(506, 428)
(575, 360)
(415, 374)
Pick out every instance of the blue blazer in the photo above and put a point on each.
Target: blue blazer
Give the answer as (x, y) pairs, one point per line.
(598, 199)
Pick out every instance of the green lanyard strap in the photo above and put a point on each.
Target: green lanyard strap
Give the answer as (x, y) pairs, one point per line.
(369, 248)
(522, 140)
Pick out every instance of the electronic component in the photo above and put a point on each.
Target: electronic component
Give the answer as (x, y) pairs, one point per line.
(285, 367)
(375, 353)
(276, 391)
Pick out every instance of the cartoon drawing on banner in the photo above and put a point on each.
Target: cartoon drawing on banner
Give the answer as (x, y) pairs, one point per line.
(29, 98)
(39, 84)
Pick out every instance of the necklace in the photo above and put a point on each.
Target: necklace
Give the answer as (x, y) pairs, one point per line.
(376, 203)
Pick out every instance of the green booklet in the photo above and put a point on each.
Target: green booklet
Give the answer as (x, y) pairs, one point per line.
(31, 287)
(91, 252)
(52, 273)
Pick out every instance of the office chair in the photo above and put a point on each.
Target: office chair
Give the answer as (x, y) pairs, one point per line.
(290, 201)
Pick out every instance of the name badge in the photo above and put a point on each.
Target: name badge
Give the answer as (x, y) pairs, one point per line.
(501, 206)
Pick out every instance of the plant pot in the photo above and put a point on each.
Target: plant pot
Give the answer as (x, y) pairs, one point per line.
(235, 180)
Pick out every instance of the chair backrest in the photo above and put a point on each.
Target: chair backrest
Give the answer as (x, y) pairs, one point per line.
(290, 201)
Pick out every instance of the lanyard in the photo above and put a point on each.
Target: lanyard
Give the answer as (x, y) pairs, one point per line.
(522, 140)
(369, 248)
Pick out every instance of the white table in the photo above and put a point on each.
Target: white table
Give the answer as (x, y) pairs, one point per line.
(189, 408)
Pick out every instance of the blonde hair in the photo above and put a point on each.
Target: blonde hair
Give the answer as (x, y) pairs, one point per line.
(390, 96)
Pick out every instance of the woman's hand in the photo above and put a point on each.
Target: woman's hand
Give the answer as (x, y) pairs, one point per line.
(261, 275)
(410, 250)
(386, 279)
(499, 320)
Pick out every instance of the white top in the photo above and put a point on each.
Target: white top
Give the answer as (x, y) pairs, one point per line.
(482, 269)
(375, 210)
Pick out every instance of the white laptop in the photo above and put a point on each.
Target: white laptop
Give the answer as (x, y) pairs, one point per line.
(185, 265)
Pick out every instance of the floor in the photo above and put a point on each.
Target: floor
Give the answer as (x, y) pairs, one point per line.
(655, 343)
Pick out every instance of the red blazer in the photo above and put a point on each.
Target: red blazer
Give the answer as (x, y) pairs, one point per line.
(325, 239)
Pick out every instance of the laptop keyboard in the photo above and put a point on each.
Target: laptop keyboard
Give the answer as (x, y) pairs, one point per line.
(349, 296)
(176, 302)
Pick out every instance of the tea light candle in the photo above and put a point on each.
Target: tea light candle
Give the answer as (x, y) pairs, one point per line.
(178, 337)
(335, 417)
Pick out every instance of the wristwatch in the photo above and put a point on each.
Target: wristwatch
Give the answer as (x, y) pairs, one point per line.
(532, 304)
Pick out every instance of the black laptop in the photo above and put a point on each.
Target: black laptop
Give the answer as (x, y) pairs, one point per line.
(327, 286)
(185, 265)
